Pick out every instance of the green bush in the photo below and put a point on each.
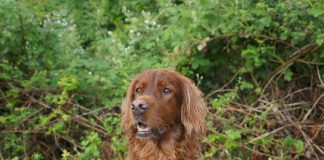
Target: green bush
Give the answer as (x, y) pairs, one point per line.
(65, 66)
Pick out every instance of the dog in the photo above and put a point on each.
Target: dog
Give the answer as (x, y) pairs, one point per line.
(163, 116)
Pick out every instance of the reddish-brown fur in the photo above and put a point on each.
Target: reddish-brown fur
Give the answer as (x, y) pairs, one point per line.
(176, 119)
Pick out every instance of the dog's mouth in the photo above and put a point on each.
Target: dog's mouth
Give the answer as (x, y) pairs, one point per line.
(143, 130)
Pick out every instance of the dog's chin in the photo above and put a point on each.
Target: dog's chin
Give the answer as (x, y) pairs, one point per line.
(144, 131)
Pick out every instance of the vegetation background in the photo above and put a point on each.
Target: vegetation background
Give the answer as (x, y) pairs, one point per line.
(65, 66)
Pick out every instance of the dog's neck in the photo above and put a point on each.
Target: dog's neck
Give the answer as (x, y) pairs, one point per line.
(168, 145)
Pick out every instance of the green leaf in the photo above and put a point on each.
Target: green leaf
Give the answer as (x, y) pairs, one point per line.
(299, 145)
(288, 141)
(231, 144)
(316, 12)
(265, 21)
(288, 75)
(68, 82)
(258, 90)
(245, 85)
(213, 138)
(232, 134)
(5, 76)
(3, 119)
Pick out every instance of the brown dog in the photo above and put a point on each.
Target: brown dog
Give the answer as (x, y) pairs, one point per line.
(163, 116)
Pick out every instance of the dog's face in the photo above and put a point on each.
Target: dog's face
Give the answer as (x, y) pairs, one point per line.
(157, 100)
(155, 103)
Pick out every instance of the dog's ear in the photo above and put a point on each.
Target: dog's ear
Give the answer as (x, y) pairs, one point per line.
(193, 110)
(126, 106)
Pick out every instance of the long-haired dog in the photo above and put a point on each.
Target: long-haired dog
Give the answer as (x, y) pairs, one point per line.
(163, 116)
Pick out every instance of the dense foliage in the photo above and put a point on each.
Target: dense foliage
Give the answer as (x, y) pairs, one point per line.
(65, 66)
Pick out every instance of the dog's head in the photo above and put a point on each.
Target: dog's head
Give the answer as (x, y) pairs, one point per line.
(160, 100)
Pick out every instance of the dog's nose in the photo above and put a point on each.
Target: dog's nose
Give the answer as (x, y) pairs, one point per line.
(139, 107)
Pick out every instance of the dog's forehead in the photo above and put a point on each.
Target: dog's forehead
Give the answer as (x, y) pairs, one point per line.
(161, 77)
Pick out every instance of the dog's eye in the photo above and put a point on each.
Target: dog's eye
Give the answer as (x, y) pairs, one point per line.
(166, 91)
(138, 90)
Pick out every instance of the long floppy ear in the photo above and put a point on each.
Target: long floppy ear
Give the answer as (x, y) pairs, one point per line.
(193, 110)
(125, 107)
